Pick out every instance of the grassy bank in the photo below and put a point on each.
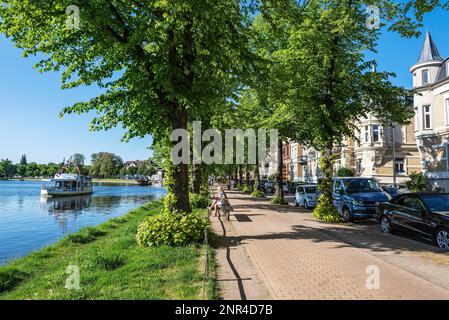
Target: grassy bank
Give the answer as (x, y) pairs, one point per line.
(111, 265)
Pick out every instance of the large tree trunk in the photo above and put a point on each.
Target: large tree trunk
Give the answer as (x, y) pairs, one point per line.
(197, 176)
(240, 175)
(327, 169)
(180, 173)
(279, 192)
(256, 178)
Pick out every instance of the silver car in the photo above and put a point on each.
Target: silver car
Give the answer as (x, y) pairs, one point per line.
(306, 195)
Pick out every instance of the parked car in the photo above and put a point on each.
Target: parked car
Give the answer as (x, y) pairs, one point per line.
(306, 196)
(422, 214)
(285, 187)
(357, 197)
(293, 186)
(269, 186)
(262, 184)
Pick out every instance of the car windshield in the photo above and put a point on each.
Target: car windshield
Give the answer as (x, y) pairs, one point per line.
(310, 189)
(361, 185)
(437, 202)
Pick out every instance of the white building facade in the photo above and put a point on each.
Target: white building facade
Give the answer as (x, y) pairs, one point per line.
(431, 105)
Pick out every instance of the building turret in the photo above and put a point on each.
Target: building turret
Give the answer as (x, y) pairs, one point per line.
(425, 70)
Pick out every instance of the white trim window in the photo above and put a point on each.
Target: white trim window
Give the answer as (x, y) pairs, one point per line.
(399, 165)
(366, 134)
(427, 117)
(425, 76)
(376, 133)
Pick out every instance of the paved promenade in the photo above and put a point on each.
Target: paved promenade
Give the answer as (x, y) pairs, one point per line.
(284, 253)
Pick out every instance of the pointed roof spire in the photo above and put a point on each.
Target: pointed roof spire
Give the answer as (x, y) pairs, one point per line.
(429, 51)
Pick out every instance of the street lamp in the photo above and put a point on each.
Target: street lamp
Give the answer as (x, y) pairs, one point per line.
(394, 156)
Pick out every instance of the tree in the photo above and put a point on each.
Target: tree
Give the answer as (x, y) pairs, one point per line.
(105, 165)
(77, 159)
(23, 160)
(345, 172)
(157, 61)
(21, 170)
(32, 170)
(52, 169)
(417, 182)
(7, 168)
(148, 168)
(320, 82)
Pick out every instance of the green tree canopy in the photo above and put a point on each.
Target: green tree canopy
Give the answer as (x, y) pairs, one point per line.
(105, 165)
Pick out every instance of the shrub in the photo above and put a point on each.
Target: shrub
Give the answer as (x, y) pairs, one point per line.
(247, 189)
(172, 228)
(10, 277)
(199, 201)
(417, 182)
(257, 194)
(345, 172)
(279, 200)
(108, 260)
(326, 211)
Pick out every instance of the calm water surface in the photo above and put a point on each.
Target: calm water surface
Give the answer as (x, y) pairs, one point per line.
(29, 222)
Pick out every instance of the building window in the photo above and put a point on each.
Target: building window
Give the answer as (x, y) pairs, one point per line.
(376, 133)
(427, 118)
(366, 133)
(358, 166)
(425, 76)
(399, 165)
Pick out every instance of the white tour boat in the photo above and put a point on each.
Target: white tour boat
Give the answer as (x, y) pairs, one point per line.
(67, 184)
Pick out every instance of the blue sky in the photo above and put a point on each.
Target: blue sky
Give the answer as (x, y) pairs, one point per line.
(30, 102)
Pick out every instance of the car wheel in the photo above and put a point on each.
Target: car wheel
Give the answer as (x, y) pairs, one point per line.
(385, 224)
(442, 239)
(347, 215)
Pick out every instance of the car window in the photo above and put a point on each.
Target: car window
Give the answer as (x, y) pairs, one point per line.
(310, 189)
(300, 190)
(412, 203)
(361, 185)
(437, 202)
(338, 186)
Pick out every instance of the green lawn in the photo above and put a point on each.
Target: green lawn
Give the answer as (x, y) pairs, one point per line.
(112, 266)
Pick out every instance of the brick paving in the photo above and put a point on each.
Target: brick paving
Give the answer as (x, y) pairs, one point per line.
(297, 259)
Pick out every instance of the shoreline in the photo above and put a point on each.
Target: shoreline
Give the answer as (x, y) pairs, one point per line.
(111, 266)
(117, 181)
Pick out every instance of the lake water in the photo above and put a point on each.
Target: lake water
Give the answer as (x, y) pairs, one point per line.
(29, 222)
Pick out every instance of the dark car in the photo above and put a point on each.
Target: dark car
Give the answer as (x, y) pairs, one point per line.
(422, 214)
